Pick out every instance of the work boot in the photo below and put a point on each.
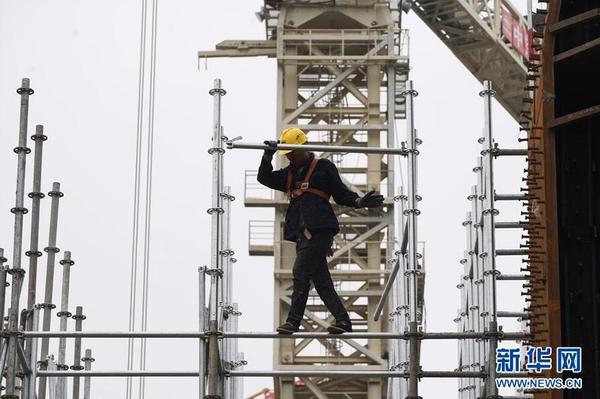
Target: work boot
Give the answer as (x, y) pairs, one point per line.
(340, 327)
(287, 328)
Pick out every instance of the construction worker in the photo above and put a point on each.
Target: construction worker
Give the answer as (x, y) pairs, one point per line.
(311, 223)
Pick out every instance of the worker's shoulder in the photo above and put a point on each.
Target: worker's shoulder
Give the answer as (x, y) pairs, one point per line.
(325, 162)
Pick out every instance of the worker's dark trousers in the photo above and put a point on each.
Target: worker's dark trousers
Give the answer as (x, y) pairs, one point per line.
(311, 264)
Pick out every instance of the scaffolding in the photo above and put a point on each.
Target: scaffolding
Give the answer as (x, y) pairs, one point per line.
(32, 373)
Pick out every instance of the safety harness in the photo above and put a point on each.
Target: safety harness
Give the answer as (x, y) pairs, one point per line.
(304, 186)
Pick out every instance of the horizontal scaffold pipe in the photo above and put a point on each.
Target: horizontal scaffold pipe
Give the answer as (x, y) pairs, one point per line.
(268, 335)
(235, 145)
(274, 373)
(510, 152)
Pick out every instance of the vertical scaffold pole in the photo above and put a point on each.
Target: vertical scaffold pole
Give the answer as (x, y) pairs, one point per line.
(227, 259)
(33, 354)
(215, 380)
(34, 253)
(36, 195)
(52, 250)
(202, 327)
(64, 316)
(87, 360)
(412, 270)
(489, 255)
(79, 318)
(16, 271)
(3, 284)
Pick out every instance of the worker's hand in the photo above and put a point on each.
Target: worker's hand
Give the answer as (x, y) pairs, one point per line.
(370, 200)
(270, 152)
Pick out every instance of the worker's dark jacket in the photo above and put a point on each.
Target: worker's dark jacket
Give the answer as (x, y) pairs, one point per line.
(308, 210)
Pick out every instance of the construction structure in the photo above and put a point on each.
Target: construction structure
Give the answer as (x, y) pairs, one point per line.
(343, 77)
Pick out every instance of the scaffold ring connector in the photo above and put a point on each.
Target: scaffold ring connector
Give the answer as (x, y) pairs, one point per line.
(493, 211)
(46, 306)
(19, 150)
(36, 194)
(488, 92)
(52, 249)
(215, 272)
(226, 252)
(58, 194)
(218, 91)
(25, 90)
(67, 262)
(217, 149)
(210, 211)
(18, 272)
(33, 253)
(41, 137)
(411, 210)
(228, 197)
(64, 314)
(79, 317)
(413, 93)
(19, 209)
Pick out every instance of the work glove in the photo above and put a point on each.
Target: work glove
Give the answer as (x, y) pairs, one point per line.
(370, 200)
(268, 154)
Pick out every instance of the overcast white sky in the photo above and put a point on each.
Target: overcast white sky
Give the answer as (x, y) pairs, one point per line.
(82, 59)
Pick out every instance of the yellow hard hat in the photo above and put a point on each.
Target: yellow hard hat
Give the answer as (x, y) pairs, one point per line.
(292, 135)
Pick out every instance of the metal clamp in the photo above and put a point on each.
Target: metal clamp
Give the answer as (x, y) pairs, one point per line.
(230, 310)
(19, 150)
(36, 194)
(46, 306)
(494, 272)
(487, 92)
(18, 209)
(411, 210)
(217, 149)
(218, 91)
(79, 317)
(227, 196)
(25, 90)
(64, 314)
(67, 262)
(19, 273)
(413, 93)
(493, 211)
(226, 252)
(52, 249)
(210, 211)
(41, 137)
(33, 253)
(214, 271)
(58, 194)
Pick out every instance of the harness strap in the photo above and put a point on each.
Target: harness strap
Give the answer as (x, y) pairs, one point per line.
(304, 186)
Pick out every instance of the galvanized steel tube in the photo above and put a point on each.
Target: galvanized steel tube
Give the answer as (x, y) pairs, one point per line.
(51, 249)
(79, 317)
(234, 145)
(64, 315)
(16, 271)
(214, 380)
(87, 361)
